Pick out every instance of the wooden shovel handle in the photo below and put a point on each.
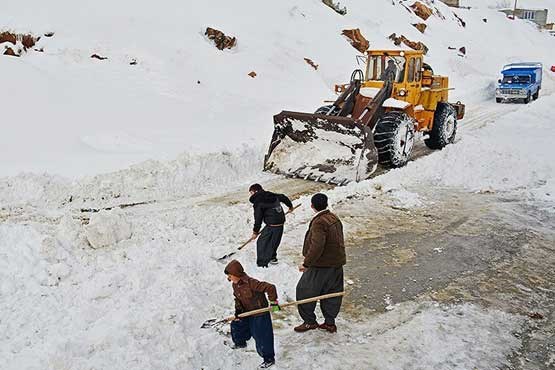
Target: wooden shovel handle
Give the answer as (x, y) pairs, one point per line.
(247, 242)
(286, 304)
(293, 209)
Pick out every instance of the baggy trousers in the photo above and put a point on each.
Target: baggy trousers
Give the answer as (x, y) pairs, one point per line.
(316, 281)
(267, 244)
(259, 328)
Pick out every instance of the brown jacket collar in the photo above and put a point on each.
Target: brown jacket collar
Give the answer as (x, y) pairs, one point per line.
(319, 214)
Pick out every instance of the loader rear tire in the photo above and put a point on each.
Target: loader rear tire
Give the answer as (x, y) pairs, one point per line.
(394, 139)
(444, 128)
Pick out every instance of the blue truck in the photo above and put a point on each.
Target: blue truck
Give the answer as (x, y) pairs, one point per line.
(520, 82)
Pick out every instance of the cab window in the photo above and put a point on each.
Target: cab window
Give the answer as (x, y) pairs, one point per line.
(411, 70)
(384, 68)
(418, 70)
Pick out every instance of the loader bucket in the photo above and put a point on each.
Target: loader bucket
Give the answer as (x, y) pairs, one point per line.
(318, 147)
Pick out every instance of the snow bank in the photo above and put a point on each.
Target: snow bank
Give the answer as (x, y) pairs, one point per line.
(187, 176)
(21, 266)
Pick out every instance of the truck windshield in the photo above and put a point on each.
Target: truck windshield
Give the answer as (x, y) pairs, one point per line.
(514, 80)
(384, 68)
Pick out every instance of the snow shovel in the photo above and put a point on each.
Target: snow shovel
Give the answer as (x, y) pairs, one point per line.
(212, 323)
(253, 237)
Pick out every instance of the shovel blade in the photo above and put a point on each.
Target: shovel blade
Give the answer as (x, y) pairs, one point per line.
(226, 256)
(212, 323)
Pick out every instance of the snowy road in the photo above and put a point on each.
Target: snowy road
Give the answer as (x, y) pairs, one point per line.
(140, 303)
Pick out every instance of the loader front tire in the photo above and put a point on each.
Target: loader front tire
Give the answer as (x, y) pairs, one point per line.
(325, 109)
(444, 128)
(394, 138)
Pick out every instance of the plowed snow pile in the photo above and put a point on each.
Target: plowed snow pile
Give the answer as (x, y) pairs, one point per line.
(174, 137)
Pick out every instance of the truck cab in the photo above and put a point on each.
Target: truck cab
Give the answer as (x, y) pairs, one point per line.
(520, 82)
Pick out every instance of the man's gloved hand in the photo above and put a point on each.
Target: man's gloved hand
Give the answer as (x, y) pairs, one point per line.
(274, 306)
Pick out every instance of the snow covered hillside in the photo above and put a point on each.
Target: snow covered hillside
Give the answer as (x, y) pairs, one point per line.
(184, 95)
(176, 139)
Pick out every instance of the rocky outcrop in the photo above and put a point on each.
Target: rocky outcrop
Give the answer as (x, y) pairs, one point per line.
(220, 39)
(356, 39)
(415, 45)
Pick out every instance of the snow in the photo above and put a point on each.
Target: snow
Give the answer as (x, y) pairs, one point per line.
(522, 4)
(157, 110)
(394, 103)
(141, 306)
(489, 159)
(107, 228)
(82, 133)
(369, 92)
(522, 65)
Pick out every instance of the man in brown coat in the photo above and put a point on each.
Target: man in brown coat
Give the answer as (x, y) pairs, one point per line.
(324, 257)
(250, 294)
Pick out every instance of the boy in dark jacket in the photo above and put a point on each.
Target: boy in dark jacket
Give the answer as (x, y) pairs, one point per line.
(267, 208)
(250, 294)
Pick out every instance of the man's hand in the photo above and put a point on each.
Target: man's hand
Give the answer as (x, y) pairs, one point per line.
(302, 268)
(254, 235)
(291, 209)
(274, 306)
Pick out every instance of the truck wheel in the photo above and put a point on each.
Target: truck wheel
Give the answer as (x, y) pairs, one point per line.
(444, 128)
(536, 95)
(498, 100)
(325, 109)
(528, 98)
(394, 138)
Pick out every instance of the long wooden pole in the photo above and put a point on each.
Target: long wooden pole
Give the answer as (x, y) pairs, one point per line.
(286, 304)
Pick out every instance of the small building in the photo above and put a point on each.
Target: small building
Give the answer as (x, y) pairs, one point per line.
(538, 16)
(550, 27)
(454, 3)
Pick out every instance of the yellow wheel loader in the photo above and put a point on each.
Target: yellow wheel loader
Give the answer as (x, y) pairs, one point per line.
(373, 120)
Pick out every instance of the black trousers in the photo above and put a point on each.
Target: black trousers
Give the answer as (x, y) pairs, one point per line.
(267, 244)
(259, 328)
(317, 281)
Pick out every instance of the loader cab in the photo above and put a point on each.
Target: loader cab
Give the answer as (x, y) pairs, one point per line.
(404, 69)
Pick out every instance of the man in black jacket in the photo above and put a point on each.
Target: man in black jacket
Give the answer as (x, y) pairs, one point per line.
(267, 208)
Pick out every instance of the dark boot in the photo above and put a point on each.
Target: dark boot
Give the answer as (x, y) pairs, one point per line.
(329, 327)
(238, 346)
(305, 327)
(266, 364)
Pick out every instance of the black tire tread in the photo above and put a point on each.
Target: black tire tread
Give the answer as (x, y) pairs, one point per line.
(385, 131)
(436, 139)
